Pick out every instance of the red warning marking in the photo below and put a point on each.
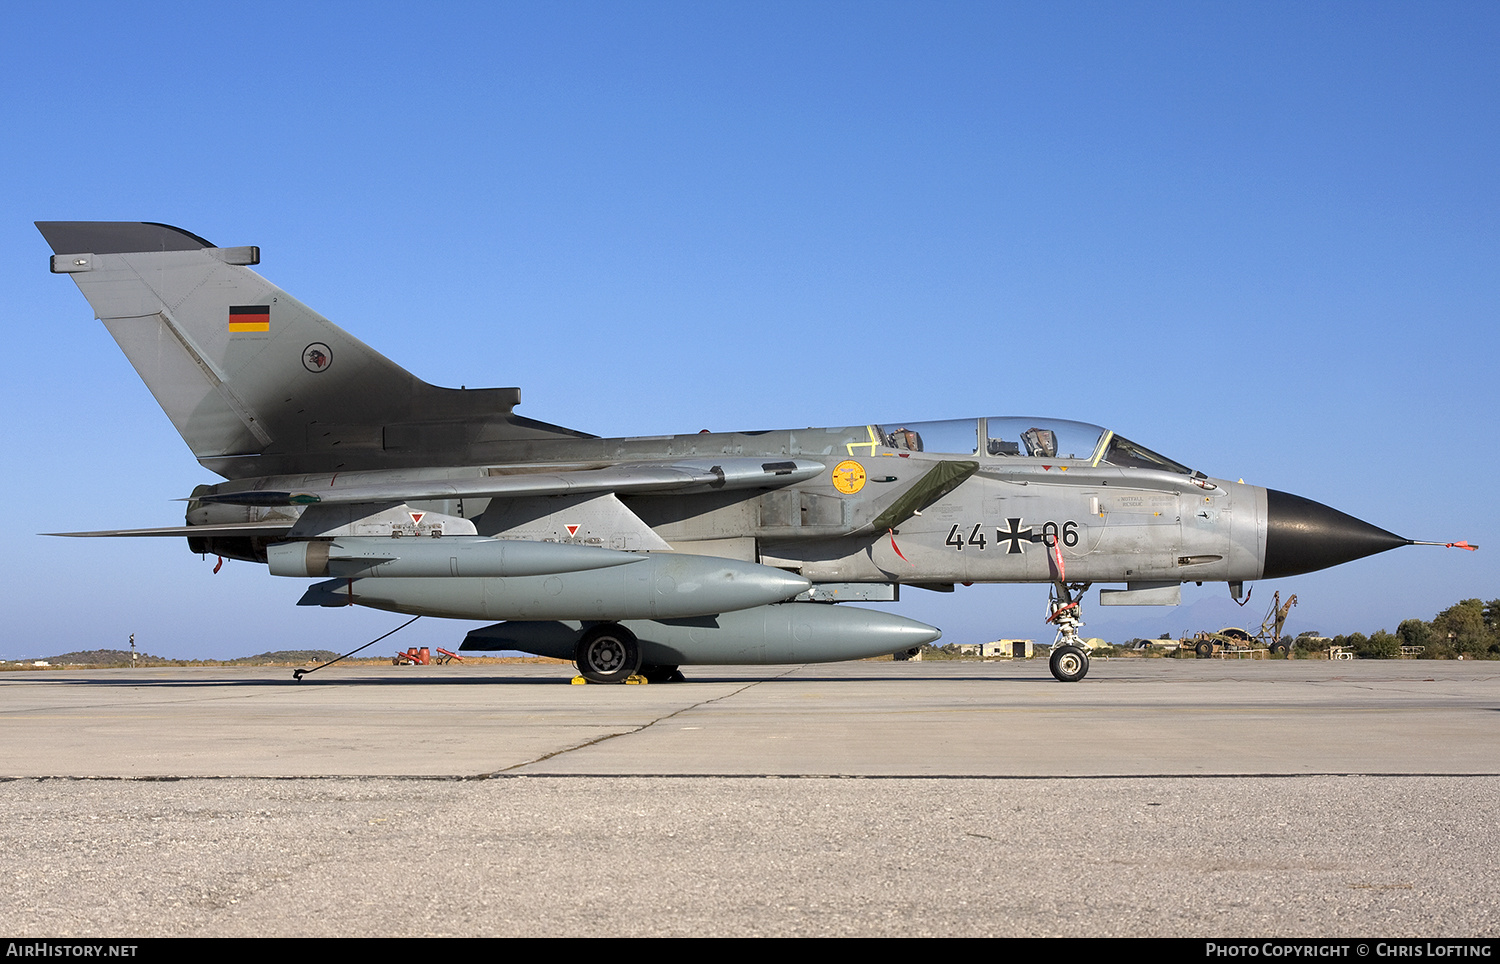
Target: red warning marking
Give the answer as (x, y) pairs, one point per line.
(1046, 468)
(572, 530)
(898, 548)
(416, 517)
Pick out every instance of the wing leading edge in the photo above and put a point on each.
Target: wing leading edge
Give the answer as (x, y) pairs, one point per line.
(701, 475)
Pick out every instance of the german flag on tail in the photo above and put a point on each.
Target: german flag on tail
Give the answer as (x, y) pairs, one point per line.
(249, 318)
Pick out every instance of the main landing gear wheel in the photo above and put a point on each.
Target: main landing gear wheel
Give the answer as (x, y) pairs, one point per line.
(608, 654)
(1069, 663)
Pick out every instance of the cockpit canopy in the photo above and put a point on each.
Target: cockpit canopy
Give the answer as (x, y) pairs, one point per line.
(1013, 437)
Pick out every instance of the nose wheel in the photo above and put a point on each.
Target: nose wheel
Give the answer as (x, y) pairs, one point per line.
(1069, 663)
(1070, 658)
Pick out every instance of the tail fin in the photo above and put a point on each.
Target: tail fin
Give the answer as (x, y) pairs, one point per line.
(256, 382)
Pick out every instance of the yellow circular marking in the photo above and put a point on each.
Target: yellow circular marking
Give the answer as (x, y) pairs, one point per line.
(849, 477)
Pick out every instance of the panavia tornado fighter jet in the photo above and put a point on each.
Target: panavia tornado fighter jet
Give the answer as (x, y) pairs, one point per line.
(641, 555)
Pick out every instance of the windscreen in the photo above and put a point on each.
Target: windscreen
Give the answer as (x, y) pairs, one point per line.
(1126, 453)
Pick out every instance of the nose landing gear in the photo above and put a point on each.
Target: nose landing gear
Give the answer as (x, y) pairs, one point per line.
(1070, 658)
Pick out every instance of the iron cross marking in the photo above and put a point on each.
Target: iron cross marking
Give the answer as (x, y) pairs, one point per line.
(1015, 536)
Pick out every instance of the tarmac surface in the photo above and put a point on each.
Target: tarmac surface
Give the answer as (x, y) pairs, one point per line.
(1177, 798)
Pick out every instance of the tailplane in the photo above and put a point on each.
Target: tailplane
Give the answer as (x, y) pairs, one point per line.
(256, 382)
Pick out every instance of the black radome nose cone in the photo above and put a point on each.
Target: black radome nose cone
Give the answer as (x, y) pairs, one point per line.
(1305, 536)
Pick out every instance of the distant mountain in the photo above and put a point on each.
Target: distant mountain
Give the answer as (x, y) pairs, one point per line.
(289, 656)
(121, 657)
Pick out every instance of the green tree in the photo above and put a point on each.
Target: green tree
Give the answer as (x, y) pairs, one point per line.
(1312, 644)
(1354, 642)
(1463, 627)
(1415, 632)
(1382, 645)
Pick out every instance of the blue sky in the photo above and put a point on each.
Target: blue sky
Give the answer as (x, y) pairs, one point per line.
(1261, 239)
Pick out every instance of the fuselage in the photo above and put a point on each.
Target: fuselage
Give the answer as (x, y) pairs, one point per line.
(985, 500)
(647, 551)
